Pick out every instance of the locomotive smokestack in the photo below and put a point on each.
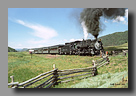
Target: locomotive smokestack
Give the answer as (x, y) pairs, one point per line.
(91, 17)
(96, 36)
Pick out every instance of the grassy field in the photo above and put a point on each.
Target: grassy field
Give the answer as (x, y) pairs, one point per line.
(107, 76)
(23, 67)
(120, 47)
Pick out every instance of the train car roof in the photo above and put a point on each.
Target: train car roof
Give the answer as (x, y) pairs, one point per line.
(77, 41)
(40, 48)
(34, 48)
(73, 42)
(45, 47)
(67, 43)
(56, 46)
(88, 40)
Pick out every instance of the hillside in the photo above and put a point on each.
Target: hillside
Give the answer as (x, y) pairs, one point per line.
(11, 49)
(119, 47)
(23, 50)
(114, 39)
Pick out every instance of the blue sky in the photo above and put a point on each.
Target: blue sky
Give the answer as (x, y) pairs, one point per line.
(41, 27)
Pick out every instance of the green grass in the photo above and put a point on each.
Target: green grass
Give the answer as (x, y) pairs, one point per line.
(125, 45)
(119, 47)
(101, 81)
(111, 73)
(23, 67)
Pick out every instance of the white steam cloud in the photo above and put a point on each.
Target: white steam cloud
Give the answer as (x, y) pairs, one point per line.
(84, 30)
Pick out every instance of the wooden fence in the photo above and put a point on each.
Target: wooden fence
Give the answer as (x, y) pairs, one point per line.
(61, 76)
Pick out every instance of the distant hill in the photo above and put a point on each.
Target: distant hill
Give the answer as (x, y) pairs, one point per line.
(11, 49)
(115, 39)
(19, 50)
(23, 50)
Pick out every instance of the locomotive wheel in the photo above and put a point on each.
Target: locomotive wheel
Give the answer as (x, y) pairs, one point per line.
(60, 53)
(92, 52)
(70, 53)
(79, 53)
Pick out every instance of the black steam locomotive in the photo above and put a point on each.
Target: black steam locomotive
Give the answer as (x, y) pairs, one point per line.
(84, 47)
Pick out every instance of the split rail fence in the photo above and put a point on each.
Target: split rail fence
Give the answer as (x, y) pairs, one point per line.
(56, 76)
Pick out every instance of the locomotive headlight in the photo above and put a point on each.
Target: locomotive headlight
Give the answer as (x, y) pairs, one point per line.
(97, 45)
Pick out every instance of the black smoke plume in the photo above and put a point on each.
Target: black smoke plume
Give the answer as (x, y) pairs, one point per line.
(91, 17)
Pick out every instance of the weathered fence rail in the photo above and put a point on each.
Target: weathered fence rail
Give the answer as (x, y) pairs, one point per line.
(56, 76)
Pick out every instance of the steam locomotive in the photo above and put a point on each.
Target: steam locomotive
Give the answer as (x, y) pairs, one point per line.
(84, 47)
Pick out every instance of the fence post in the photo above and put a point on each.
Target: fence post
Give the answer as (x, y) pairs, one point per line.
(124, 52)
(94, 69)
(107, 59)
(55, 74)
(53, 66)
(12, 80)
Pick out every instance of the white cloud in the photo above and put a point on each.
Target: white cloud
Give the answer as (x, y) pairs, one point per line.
(126, 13)
(15, 45)
(119, 19)
(123, 20)
(105, 21)
(21, 22)
(43, 32)
(20, 45)
(41, 46)
(71, 40)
